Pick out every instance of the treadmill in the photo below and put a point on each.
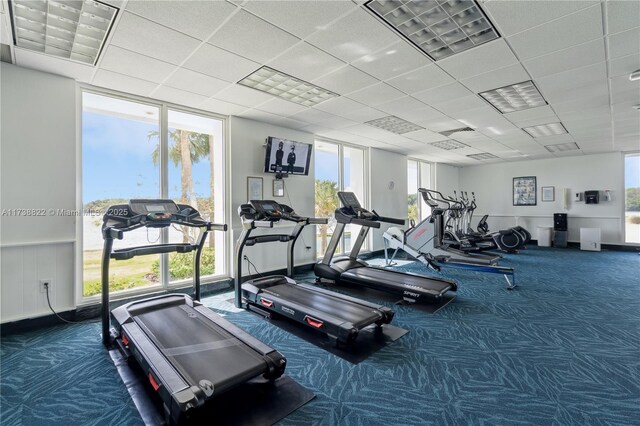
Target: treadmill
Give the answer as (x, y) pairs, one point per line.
(340, 317)
(352, 271)
(188, 354)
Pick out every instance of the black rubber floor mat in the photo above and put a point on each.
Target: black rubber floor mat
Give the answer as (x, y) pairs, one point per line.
(256, 402)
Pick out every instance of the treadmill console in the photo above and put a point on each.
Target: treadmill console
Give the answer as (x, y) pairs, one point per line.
(153, 207)
(268, 209)
(352, 206)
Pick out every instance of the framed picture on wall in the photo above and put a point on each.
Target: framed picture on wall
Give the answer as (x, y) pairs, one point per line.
(548, 193)
(524, 191)
(254, 188)
(278, 188)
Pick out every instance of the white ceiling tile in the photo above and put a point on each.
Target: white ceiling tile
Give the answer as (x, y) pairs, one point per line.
(624, 110)
(555, 139)
(425, 136)
(421, 116)
(123, 83)
(135, 65)
(315, 128)
(364, 114)
(442, 124)
(376, 94)
(312, 115)
(353, 36)
(622, 15)
(345, 80)
(623, 89)
(624, 43)
(405, 104)
(455, 106)
(177, 96)
(196, 18)
(624, 65)
(148, 38)
(305, 62)
(497, 78)
(568, 31)
(300, 18)
(219, 63)
(282, 107)
(567, 59)
(391, 61)
(252, 37)
(337, 123)
(367, 131)
(529, 114)
(594, 100)
(222, 107)
(598, 89)
(347, 108)
(489, 56)
(243, 96)
(52, 64)
(575, 78)
(195, 82)
(424, 78)
(512, 17)
(442, 93)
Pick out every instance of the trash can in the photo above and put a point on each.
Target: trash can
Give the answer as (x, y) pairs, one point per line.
(544, 236)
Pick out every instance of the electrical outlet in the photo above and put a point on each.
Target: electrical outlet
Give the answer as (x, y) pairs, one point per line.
(44, 283)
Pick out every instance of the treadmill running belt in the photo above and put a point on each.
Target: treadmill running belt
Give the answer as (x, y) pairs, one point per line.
(211, 353)
(331, 305)
(377, 278)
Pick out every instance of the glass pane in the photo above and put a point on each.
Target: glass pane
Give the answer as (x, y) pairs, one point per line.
(195, 173)
(632, 197)
(353, 166)
(327, 176)
(425, 182)
(412, 189)
(120, 161)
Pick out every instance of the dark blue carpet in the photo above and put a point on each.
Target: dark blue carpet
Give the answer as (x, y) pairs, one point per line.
(563, 348)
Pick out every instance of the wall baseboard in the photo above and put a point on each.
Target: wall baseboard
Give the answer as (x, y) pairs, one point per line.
(91, 312)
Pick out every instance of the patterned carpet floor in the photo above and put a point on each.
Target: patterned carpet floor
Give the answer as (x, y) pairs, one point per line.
(561, 349)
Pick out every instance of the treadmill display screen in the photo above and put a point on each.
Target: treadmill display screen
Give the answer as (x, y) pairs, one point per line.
(267, 207)
(349, 199)
(155, 208)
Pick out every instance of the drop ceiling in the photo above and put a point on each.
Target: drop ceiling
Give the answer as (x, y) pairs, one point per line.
(577, 53)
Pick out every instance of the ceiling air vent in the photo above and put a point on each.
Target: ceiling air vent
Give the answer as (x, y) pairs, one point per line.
(448, 133)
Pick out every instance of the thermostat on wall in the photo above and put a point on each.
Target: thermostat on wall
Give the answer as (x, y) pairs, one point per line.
(577, 196)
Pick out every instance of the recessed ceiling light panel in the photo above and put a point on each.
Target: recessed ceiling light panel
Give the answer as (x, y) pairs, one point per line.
(482, 156)
(70, 29)
(394, 124)
(515, 97)
(448, 145)
(439, 28)
(563, 147)
(286, 87)
(543, 130)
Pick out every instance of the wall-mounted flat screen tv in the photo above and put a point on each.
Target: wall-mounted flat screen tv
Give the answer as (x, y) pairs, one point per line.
(287, 157)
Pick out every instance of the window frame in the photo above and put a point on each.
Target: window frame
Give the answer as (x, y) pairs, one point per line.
(365, 187)
(623, 199)
(420, 162)
(164, 107)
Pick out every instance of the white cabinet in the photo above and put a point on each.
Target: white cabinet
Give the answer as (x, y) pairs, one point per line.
(590, 239)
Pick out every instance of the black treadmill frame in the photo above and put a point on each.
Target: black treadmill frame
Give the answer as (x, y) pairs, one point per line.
(255, 294)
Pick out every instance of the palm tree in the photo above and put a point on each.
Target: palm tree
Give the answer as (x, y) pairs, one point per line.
(412, 200)
(326, 204)
(186, 148)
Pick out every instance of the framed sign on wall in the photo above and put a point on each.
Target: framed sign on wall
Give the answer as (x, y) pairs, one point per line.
(548, 193)
(254, 188)
(524, 191)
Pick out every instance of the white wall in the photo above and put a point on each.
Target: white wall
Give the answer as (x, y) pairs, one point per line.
(386, 167)
(446, 179)
(493, 187)
(247, 139)
(38, 171)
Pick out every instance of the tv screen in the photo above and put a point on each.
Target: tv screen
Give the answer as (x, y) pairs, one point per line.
(287, 157)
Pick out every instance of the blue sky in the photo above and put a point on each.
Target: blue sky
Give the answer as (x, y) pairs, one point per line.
(117, 163)
(326, 167)
(632, 171)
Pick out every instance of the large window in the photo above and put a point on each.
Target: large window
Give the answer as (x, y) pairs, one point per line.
(125, 155)
(418, 176)
(632, 198)
(337, 168)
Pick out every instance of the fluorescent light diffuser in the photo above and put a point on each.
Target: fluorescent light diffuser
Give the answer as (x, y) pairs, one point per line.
(448, 133)
(448, 144)
(286, 87)
(439, 28)
(482, 156)
(515, 97)
(543, 130)
(563, 147)
(394, 124)
(70, 29)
